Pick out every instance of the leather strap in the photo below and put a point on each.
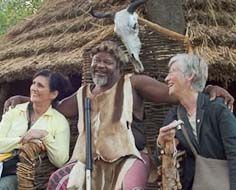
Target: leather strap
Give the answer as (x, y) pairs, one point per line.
(29, 114)
(186, 136)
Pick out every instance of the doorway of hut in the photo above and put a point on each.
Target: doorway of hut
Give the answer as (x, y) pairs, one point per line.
(21, 87)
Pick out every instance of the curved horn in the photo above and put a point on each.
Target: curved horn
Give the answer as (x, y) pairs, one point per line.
(134, 5)
(101, 15)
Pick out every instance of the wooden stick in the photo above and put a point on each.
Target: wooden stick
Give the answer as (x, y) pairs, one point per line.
(89, 157)
(163, 30)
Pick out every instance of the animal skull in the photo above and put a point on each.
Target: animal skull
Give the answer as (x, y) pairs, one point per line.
(126, 27)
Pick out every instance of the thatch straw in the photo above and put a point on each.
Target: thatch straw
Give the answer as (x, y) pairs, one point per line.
(56, 43)
(212, 18)
(212, 30)
(51, 12)
(24, 68)
(221, 61)
(62, 27)
(212, 36)
(59, 10)
(219, 5)
(218, 55)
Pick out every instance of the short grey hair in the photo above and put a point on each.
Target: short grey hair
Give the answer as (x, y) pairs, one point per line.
(192, 64)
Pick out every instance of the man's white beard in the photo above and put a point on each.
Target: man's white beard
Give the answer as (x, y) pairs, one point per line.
(100, 81)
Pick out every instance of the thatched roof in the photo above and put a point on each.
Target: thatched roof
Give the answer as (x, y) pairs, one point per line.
(57, 35)
(212, 30)
(51, 38)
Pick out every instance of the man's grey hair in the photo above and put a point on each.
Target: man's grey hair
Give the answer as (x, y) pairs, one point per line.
(114, 49)
(192, 64)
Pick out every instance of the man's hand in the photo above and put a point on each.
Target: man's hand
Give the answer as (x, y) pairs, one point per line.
(13, 101)
(33, 134)
(216, 91)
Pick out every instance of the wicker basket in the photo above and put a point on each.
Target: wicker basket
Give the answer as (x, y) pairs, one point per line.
(34, 167)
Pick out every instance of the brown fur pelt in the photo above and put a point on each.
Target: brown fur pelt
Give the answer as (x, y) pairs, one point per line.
(170, 167)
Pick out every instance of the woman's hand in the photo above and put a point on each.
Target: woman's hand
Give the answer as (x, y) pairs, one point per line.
(167, 133)
(39, 143)
(216, 91)
(33, 134)
(13, 101)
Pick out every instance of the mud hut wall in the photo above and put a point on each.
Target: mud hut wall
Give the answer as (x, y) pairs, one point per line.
(155, 53)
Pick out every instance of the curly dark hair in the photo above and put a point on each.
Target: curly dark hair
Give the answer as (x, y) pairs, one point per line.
(114, 49)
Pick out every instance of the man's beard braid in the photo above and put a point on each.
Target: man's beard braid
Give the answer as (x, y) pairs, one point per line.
(100, 81)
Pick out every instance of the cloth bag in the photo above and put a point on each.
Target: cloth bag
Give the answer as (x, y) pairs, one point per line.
(210, 174)
(9, 166)
(8, 163)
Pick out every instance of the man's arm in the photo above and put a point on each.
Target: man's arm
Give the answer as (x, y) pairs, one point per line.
(13, 101)
(151, 89)
(156, 91)
(68, 106)
(218, 91)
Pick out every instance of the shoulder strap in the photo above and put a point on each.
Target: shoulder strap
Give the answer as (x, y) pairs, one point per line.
(186, 136)
(29, 113)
